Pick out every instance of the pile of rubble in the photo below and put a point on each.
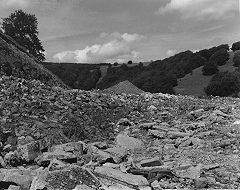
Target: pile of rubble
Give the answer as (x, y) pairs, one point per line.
(125, 87)
(16, 61)
(52, 139)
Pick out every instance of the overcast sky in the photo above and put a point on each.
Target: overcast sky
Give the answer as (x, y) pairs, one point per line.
(121, 30)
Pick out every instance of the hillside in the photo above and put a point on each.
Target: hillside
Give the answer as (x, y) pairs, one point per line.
(161, 75)
(78, 76)
(194, 83)
(16, 61)
(165, 76)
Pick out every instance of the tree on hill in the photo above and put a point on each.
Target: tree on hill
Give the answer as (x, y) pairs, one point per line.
(236, 46)
(115, 64)
(207, 53)
(220, 57)
(23, 28)
(194, 62)
(236, 59)
(140, 64)
(130, 62)
(209, 68)
(224, 84)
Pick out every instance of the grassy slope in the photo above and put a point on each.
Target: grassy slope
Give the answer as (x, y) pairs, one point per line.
(194, 84)
(103, 70)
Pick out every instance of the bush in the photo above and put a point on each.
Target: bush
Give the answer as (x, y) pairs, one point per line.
(224, 84)
(220, 57)
(236, 46)
(207, 53)
(236, 59)
(194, 62)
(209, 69)
(130, 62)
(140, 64)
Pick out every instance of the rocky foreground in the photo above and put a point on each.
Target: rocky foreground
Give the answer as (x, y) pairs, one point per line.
(56, 139)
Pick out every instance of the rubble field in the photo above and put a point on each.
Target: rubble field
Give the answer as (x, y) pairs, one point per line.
(59, 139)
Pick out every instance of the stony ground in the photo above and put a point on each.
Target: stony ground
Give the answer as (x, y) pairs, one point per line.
(55, 139)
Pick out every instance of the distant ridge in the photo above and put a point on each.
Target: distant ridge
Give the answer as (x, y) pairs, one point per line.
(125, 87)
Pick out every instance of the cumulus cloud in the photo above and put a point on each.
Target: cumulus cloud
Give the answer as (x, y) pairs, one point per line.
(171, 52)
(201, 9)
(120, 47)
(14, 3)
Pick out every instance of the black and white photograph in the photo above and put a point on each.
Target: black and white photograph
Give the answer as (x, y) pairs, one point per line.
(119, 94)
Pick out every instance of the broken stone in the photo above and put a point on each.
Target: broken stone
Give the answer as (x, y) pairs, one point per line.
(21, 140)
(124, 122)
(69, 178)
(100, 145)
(12, 159)
(157, 134)
(117, 153)
(155, 185)
(98, 155)
(196, 114)
(13, 187)
(147, 125)
(23, 181)
(151, 162)
(152, 108)
(176, 134)
(29, 152)
(201, 183)
(130, 143)
(70, 147)
(2, 162)
(45, 158)
(110, 173)
(191, 172)
(56, 165)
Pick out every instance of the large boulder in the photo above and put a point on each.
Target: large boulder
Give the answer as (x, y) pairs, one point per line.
(129, 143)
(29, 152)
(68, 178)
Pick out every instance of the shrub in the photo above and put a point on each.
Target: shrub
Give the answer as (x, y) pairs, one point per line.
(209, 69)
(220, 57)
(224, 84)
(130, 62)
(236, 59)
(236, 46)
(140, 64)
(207, 53)
(194, 62)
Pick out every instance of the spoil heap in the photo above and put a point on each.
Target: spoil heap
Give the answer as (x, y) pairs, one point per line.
(16, 61)
(125, 87)
(53, 138)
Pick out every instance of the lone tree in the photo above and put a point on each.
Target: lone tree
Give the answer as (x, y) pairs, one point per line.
(23, 28)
